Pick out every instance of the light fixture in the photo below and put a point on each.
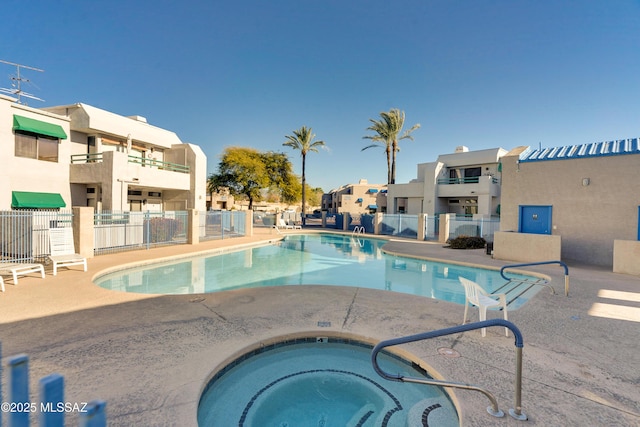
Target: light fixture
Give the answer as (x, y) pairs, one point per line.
(585, 182)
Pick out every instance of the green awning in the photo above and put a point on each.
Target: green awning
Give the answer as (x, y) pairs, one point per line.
(31, 200)
(36, 126)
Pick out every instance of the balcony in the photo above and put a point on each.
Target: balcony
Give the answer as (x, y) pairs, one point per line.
(142, 161)
(112, 166)
(464, 187)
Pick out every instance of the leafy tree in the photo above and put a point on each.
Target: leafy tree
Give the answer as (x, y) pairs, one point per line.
(302, 139)
(283, 181)
(314, 196)
(249, 173)
(386, 131)
(242, 171)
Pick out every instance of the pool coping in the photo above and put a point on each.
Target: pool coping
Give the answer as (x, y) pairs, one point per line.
(294, 338)
(237, 248)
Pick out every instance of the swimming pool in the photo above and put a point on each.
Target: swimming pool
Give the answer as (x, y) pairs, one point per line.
(320, 381)
(320, 259)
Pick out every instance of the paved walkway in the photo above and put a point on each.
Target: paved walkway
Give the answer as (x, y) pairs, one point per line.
(150, 356)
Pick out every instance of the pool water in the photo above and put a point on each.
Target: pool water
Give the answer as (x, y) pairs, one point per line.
(320, 382)
(319, 259)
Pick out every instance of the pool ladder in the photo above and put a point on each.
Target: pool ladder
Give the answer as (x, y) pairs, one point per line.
(515, 412)
(356, 233)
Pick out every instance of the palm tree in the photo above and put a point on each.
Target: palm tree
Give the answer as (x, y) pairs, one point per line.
(302, 139)
(386, 132)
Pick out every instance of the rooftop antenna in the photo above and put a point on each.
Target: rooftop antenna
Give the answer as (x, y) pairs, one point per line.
(16, 85)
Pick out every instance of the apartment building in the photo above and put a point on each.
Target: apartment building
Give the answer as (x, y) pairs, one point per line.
(464, 182)
(360, 198)
(79, 155)
(34, 165)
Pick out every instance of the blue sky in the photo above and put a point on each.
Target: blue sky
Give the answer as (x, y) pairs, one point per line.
(483, 74)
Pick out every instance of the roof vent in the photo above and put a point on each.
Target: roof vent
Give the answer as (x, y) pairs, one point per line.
(138, 119)
(462, 149)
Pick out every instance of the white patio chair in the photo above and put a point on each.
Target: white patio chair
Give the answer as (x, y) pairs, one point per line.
(20, 269)
(283, 224)
(63, 253)
(477, 296)
(1, 284)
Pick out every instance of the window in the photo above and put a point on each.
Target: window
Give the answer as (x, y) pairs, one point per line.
(471, 175)
(34, 146)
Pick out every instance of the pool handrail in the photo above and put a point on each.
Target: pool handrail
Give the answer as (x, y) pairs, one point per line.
(564, 265)
(356, 233)
(515, 412)
(357, 230)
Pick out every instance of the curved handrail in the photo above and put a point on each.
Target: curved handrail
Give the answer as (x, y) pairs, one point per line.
(516, 412)
(564, 265)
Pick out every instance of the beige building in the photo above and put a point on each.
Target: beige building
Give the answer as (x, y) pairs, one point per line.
(78, 155)
(587, 194)
(360, 198)
(220, 200)
(464, 182)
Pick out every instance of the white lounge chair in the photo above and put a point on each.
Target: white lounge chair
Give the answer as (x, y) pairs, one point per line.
(1, 284)
(63, 253)
(283, 224)
(20, 269)
(477, 296)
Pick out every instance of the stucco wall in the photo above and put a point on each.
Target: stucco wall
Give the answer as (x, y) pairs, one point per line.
(25, 174)
(588, 217)
(626, 257)
(524, 247)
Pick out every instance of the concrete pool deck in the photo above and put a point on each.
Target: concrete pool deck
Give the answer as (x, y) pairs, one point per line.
(150, 356)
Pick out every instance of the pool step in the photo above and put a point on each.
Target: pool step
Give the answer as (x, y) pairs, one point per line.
(431, 413)
(515, 288)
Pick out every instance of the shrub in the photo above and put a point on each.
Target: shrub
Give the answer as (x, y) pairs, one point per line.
(467, 242)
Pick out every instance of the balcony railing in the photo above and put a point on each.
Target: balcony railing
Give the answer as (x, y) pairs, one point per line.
(467, 180)
(86, 158)
(142, 161)
(151, 163)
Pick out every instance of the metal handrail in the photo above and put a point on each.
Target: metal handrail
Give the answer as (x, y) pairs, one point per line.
(515, 412)
(149, 162)
(358, 229)
(565, 266)
(86, 158)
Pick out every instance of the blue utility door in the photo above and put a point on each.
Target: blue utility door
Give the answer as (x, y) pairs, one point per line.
(535, 219)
